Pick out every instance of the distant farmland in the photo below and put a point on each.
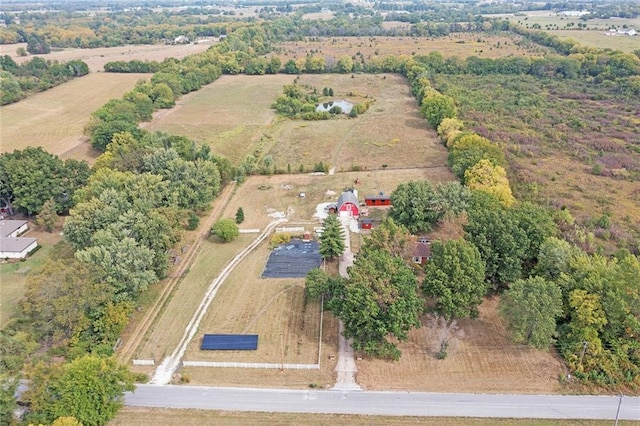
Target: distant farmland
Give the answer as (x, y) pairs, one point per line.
(55, 119)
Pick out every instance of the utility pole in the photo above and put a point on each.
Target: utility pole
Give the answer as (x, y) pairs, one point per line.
(584, 349)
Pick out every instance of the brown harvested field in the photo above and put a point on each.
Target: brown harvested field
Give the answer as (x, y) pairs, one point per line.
(484, 361)
(231, 114)
(96, 58)
(461, 45)
(55, 119)
(390, 134)
(130, 416)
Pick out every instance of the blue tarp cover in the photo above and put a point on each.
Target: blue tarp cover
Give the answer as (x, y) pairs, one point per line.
(229, 342)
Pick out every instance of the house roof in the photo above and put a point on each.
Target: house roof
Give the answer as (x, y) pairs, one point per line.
(422, 250)
(347, 197)
(8, 227)
(15, 245)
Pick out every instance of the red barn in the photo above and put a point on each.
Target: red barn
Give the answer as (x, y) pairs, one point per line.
(366, 224)
(348, 204)
(377, 200)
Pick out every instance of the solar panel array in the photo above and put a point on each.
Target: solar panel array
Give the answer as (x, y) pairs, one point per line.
(229, 342)
(293, 260)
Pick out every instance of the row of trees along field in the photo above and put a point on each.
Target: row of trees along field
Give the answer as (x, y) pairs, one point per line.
(130, 212)
(552, 292)
(36, 75)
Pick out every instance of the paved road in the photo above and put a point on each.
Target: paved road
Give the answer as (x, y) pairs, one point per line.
(385, 403)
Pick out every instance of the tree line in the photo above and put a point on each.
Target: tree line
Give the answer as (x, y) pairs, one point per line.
(36, 75)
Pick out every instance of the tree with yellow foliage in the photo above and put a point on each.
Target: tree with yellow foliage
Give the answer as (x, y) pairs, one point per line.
(486, 177)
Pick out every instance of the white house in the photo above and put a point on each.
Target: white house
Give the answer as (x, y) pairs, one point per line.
(16, 248)
(12, 246)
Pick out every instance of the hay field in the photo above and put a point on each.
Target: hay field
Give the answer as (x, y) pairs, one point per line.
(461, 45)
(96, 58)
(390, 134)
(55, 119)
(484, 361)
(230, 114)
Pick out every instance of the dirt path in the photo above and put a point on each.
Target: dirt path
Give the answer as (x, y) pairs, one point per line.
(346, 366)
(131, 342)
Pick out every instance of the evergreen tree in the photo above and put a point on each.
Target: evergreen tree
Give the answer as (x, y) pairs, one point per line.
(332, 238)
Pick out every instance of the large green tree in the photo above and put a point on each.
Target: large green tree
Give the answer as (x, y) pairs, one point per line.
(225, 229)
(531, 307)
(90, 388)
(418, 205)
(502, 243)
(379, 303)
(332, 239)
(454, 277)
(30, 177)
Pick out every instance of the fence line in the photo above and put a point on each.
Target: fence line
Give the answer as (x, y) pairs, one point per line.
(258, 365)
(249, 231)
(290, 229)
(143, 362)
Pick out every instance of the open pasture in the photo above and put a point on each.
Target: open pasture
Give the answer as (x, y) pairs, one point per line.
(231, 114)
(165, 334)
(96, 58)
(598, 39)
(461, 45)
(55, 119)
(481, 359)
(392, 133)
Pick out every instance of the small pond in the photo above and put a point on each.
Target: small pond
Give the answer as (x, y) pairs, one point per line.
(326, 106)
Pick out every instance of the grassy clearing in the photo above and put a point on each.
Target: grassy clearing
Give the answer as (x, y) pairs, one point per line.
(163, 416)
(482, 360)
(165, 334)
(392, 133)
(96, 58)
(231, 114)
(461, 45)
(55, 119)
(13, 275)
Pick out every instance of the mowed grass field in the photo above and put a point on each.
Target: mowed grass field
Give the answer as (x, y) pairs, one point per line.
(234, 117)
(96, 58)
(392, 133)
(55, 119)
(231, 114)
(481, 360)
(162, 416)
